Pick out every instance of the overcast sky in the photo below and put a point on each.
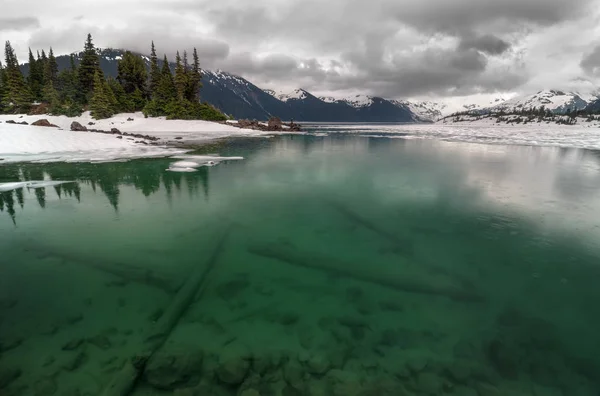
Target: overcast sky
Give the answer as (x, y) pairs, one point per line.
(391, 48)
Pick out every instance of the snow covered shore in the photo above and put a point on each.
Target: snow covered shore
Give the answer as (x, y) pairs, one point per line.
(26, 143)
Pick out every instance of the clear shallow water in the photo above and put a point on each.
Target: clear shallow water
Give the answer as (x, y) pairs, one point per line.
(336, 265)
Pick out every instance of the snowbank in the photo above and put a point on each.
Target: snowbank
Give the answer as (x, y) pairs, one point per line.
(44, 144)
(23, 143)
(160, 127)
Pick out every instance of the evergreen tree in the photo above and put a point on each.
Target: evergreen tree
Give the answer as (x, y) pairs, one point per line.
(51, 68)
(166, 90)
(155, 74)
(18, 92)
(100, 103)
(35, 78)
(88, 67)
(180, 78)
(3, 89)
(124, 104)
(195, 79)
(132, 73)
(50, 96)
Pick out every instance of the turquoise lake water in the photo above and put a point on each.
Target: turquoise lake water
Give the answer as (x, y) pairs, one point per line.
(318, 265)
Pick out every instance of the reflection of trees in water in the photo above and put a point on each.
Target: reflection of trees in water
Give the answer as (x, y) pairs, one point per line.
(147, 176)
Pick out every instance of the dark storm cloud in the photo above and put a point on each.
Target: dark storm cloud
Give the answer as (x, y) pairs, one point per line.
(464, 15)
(22, 23)
(487, 43)
(391, 48)
(591, 62)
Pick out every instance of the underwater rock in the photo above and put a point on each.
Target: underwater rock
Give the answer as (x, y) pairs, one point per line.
(487, 390)
(249, 392)
(289, 390)
(10, 344)
(354, 294)
(459, 371)
(79, 360)
(306, 337)
(169, 371)
(233, 370)
(8, 376)
(101, 341)
(232, 289)
(49, 361)
(429, 383)
(45, 387)
(8, 304)
(318, 365)
(389, 338)
(73, 344)
(417, 364)
(49, 330)
(464, 391)
(74, 319)
(364, 307)
(154, 316)
(289, 318)
(391, 306)
(293, 373)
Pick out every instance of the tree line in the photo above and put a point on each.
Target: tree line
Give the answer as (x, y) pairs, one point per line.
(155, 90)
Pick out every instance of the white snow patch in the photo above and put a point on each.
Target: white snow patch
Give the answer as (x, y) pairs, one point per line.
(359, 101)
(22, 143)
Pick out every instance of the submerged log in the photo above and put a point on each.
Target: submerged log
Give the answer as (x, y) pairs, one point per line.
(404, 245)
(124, 381)
(168, 282)
(438, 286)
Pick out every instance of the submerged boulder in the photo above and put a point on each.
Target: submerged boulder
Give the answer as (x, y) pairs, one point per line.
(233, 371)
(77, 127)
(168, 371)
(8, 375)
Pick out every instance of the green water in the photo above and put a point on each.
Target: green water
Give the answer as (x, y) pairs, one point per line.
(334, 265)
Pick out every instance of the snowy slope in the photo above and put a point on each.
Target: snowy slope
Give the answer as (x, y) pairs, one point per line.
(359, 101)
(284, 96)
(556, 101)
(424, 111)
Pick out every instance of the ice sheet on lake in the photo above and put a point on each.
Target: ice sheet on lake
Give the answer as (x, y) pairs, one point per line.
(190, 163)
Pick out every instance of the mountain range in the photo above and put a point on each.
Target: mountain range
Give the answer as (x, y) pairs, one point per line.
(241, 99)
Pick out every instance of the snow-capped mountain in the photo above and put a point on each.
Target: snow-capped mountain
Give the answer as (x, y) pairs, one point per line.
(424, 111)
(359, 101)
(558, 102)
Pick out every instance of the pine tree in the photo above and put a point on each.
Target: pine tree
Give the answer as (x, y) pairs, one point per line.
(100, 103)
(35, 78)
(195, 79)
(124, 104)
(18, 92)
(50, 95)
(166, 90)
(51, 68)
(155, 74)
(88, 67)
(3, 89)
(180, 78)
(132, 73)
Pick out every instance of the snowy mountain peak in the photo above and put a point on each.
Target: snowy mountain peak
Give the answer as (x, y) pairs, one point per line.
(424, 110)
(358, 101)
(284, 96)
(553, 100)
